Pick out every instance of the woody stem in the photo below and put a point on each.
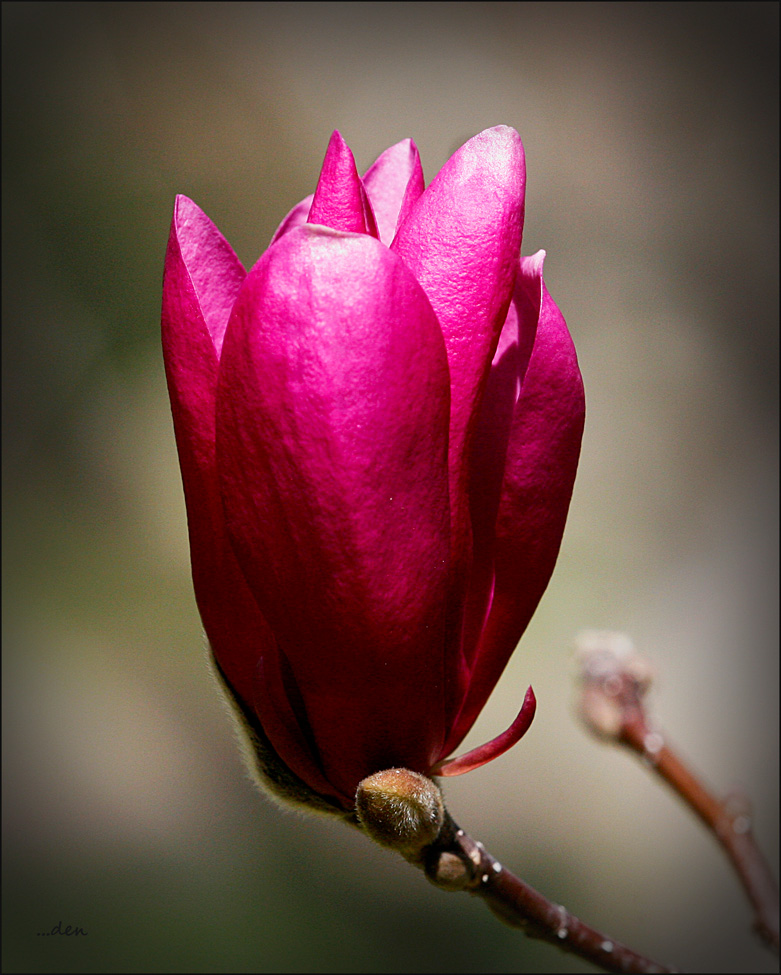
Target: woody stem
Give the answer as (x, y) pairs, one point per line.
(729, 820)
(456, 862)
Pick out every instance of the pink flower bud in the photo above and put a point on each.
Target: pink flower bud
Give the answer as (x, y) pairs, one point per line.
(378, 428)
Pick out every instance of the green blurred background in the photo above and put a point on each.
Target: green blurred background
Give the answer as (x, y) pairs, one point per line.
(651, 139)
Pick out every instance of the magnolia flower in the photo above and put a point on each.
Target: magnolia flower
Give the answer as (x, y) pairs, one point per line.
(378, 428)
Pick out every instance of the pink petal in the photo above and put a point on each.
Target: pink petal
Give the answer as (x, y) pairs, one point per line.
(284, 722)
(295, 218)
(340, 201)
(196, 306)
(492, 749)
(201, 281)
(195, 311)
(461, 240)
(202, 278)
(542, 457)
(332, 444)
(488, 459)
(394, 183)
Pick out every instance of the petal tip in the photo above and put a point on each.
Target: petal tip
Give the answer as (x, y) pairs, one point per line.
(494, 748)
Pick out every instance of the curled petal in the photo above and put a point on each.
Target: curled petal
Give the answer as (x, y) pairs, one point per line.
(332, 415)
(340, 201)
(492, 749)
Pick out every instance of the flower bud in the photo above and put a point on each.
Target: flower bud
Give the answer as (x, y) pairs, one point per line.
(400, 809)
(378, 427)
(614, 677)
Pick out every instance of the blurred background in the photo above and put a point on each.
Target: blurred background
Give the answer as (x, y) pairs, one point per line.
(651, 141)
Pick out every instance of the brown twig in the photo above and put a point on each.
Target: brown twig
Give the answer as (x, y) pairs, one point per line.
(457, 862)
(615, 682)
(403, 810)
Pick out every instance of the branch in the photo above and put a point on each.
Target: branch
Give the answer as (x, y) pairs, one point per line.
(457, 862)
(404, 810)
(615, 680)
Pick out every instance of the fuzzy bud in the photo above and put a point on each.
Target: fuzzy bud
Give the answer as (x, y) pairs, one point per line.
(400, 809)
